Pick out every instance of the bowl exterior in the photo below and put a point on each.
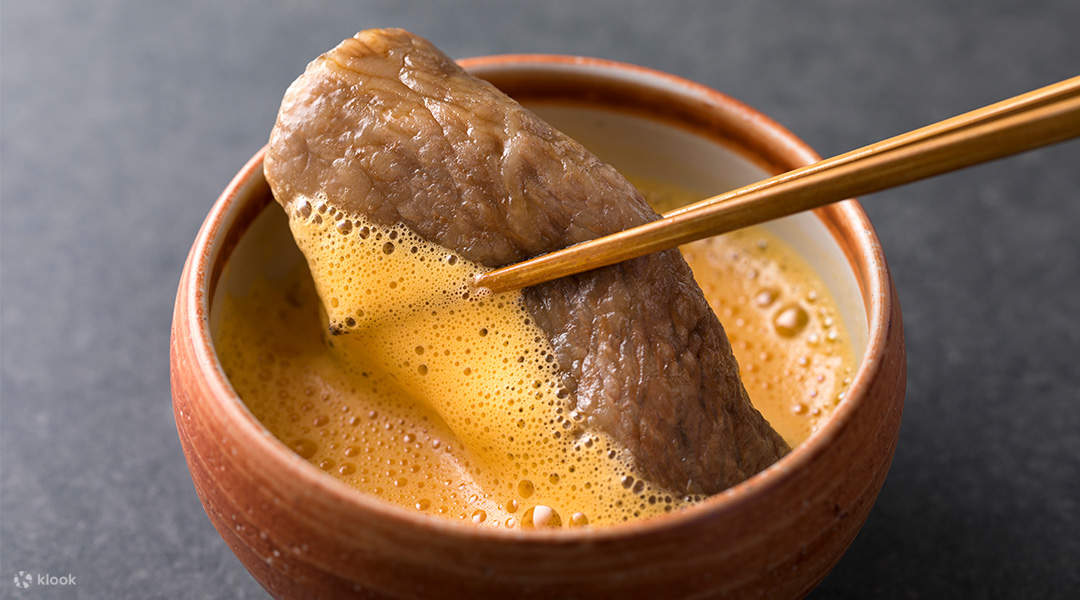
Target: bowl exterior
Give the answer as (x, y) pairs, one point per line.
(302, 534)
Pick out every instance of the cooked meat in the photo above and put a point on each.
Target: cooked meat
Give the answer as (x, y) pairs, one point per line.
(388, 126)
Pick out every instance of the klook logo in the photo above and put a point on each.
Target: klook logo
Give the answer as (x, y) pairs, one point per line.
(24, 579)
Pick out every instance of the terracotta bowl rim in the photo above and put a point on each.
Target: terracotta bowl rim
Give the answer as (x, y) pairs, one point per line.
(865, 257)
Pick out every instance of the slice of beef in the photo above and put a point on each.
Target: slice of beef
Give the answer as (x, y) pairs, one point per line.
(388, 126)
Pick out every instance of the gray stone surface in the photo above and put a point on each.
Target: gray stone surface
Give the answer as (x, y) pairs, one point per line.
(122, 122)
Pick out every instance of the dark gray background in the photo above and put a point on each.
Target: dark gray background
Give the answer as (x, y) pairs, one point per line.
(121, 123)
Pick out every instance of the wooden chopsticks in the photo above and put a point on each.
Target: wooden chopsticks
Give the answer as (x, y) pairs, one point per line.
(1038, 118)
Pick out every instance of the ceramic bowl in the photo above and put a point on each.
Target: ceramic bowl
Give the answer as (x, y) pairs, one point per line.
(302, 533)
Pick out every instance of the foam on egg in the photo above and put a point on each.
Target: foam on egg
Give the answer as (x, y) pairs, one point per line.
(405, 308)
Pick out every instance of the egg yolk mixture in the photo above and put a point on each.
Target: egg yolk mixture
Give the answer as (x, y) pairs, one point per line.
(408, 384)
